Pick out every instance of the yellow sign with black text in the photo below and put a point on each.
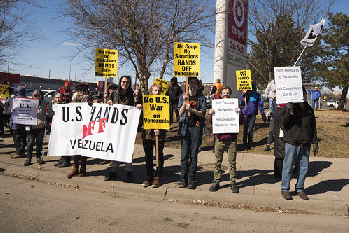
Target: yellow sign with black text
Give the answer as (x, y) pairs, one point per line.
(243, 78)
(187, 59)
(106, 63)
(156, 112)
(4, 91)
(164, 85)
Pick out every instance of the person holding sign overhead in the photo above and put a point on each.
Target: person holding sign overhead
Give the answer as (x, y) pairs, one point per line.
(192, 110)
(251, 101)
(225, 141)
(150, 138)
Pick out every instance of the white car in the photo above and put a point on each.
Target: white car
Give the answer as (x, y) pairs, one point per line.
(332, 103)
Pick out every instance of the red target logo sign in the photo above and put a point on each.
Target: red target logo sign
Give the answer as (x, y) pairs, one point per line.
(237, 20)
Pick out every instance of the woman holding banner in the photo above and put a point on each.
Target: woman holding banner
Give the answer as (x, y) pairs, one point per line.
(150, 138)
(123, 95)
(80, 96)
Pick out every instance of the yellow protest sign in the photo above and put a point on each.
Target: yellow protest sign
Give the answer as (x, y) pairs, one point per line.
(243, 78)
(106, 63)
(187, 59)
(4, 91)
(156, 112)
(164, 84)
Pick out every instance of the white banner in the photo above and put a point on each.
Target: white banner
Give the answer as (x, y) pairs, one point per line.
(225, 119)
(101, 131)
(312, 33)
(288, 81)
(25, 111)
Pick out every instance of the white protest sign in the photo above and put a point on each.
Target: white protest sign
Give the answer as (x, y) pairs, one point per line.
(25, 111)
(101, 131)
(288, 81)
(225, 119)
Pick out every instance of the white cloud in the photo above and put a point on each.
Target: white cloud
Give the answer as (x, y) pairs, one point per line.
(70, 44)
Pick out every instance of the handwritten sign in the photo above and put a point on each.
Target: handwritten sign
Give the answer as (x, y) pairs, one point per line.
(243, 78)
(156, 112)
(187, 59)
(225, 119)
(288, 81)
(106, 63)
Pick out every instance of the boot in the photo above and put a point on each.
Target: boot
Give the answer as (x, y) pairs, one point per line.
(65, 162)
(27, 162)
(129, 177)
(157, 182)
(75, 170)
(60, 161)
(82, 172)
(214, 187)
(267, 148)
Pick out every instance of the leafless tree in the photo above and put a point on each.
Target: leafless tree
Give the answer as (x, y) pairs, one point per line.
(14, 29)
(143, 31)
(265, 21)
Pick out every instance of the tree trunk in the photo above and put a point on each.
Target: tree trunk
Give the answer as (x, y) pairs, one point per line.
(343, 99)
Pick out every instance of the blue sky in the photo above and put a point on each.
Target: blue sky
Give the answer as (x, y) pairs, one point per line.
(53, 51)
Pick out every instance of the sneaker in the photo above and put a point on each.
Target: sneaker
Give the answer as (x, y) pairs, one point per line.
(111, 176)
(234, 188)
(183, 184)
(214, 187)
(286, 195)
(129, 177)
(157, 182)
(27, 162)
(191, 184)
(146, 183)
(267, 148)
(303, 195)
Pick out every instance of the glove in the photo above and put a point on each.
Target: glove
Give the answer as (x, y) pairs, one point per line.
(264, 118)
(289, 107)
(315, 148)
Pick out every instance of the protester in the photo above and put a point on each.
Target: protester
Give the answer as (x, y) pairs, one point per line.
(315, 96)
(36, 133)
(270, 92)
(215, 89)
(279, 145)
(271, 124)
(111, 87)
(67, 92)
(174, 91)
(64, 161)
(80, 96)
(251, 100)
(225, 141)
(299, 131)
(123, 95)
(192, 110)
(18, 130)
(149, 137)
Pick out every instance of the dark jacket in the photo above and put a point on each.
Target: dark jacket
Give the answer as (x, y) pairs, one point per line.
(279, 145)
(299, 128)
(254, 102)
(174, 91)
(125, 99)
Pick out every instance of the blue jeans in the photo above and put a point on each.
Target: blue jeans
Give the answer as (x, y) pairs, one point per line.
(315, 104)
(249, 121)
(299, 156)
(190, 144)
(35, 136)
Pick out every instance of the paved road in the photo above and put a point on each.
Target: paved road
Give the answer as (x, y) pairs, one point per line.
(31, 206)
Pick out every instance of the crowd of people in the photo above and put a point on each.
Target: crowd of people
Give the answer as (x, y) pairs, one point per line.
(292, 128)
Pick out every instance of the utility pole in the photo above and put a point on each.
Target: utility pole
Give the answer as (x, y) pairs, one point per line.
(69, 72)
(49, 73)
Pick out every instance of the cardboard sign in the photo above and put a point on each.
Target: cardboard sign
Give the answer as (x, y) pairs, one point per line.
(164, 85)
(187, 59)
(288, 81)
(243, 78)
(106, 63)
(156, 112)
(225, 119)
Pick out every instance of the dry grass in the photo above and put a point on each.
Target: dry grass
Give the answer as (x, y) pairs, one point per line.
(332, 128)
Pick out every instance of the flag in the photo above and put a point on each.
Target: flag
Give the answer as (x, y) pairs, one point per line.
(312, 33)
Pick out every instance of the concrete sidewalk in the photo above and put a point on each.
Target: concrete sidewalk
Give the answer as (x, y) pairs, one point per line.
(326, 185)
